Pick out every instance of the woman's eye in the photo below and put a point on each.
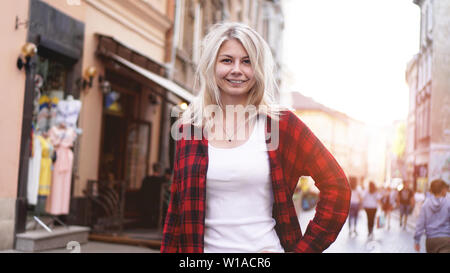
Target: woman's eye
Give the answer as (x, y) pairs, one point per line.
(246, 61)
(226, 61)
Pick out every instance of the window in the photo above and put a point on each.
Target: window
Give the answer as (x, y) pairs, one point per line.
(197, 32)
(429, 18)
(420, 74)
(423, 123)
(422, 28)
(428, 118)
(50, 87)
(429, 65)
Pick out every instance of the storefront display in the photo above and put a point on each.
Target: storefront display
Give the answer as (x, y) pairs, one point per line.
(51, 74)
(34, 169)
(62, 138)
(54, 132)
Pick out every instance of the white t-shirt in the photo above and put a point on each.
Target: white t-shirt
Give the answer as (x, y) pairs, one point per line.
(356, 197)
(370, 200)
(239, 198)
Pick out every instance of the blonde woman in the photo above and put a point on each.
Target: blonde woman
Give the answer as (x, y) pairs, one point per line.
(239, 158)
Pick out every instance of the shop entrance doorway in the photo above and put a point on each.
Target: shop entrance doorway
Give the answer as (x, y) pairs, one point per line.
(125, 148)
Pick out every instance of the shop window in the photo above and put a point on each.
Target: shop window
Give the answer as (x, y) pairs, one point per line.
(50, 85)
(138, 140)
(113, 103)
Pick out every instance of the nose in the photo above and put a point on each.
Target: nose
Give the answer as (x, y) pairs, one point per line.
(236, 69)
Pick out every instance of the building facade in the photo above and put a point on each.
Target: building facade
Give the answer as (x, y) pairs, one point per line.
(127, 64)
(118, 128)
(428, 77)
(411, 79)
(344, 137)
(195, 17)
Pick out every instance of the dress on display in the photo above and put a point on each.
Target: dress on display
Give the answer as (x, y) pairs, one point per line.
(34, 170)
(45, 177)
(53, 111)
(59, 200)
(43, 114)
(68, 111)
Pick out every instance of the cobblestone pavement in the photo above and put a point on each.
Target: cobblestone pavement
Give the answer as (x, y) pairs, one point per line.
(96, 247)
(394, 240)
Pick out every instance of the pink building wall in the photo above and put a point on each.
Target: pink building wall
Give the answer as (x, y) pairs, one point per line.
(11, 96)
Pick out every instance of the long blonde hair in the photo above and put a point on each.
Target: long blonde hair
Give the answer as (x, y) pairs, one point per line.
(262, 93)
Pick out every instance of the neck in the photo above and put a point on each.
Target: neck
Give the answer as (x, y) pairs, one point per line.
(233, 100)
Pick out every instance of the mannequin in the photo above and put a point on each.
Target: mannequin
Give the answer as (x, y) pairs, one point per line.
(46, 164)
(43, 114)
(53, 111)
(45, 174)
(62, 137)
(68, 111)
(34, 169)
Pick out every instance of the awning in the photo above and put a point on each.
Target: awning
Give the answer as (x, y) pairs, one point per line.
(167, 84)
(140, 63)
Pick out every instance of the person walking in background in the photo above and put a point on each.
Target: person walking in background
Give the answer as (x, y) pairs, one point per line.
(434, 220)
(150, 195)
(370, 205)
(387, 205)
(406, 203)
(355, 205)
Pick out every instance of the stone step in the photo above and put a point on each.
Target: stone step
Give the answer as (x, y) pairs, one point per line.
(39, 240)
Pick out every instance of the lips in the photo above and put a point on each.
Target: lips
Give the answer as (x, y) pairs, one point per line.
(236, 81)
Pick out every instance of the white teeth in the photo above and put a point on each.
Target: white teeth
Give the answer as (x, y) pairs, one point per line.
(235, 81)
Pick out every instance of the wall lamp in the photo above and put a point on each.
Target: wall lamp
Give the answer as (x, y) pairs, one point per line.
(89, 73)
(88, 78)
(183, 105)
(27, 52)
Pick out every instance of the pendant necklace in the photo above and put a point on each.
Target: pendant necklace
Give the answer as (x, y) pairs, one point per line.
(234, 133)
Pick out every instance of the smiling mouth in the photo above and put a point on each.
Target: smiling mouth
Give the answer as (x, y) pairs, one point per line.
(236, 81)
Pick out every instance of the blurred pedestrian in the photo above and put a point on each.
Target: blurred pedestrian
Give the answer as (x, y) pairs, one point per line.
(419, 198)
(387, 205)
(434, 220)
(370, 205)
(355, 205)
(150, 197)
(406, 203)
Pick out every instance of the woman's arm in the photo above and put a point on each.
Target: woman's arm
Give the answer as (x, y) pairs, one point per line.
(171, 231)
(313, 159)
(420, 229)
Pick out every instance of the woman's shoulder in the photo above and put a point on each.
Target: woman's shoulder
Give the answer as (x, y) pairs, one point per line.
(288, 116)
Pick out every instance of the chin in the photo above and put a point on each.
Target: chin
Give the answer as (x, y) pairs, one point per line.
(237, 93)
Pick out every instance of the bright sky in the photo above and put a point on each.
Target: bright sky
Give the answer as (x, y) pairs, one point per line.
(351, 55)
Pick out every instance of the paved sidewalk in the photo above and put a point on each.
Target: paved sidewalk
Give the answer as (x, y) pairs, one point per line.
(394, 240)
(95, 247)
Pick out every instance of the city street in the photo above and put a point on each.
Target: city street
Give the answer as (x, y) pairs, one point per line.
(394, 240)
(107, 102)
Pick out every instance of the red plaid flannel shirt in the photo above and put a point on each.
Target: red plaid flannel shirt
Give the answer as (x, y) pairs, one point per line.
(300, 153)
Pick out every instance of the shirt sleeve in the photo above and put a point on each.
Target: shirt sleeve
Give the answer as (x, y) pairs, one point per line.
(171, 231)
(420, 226)
(313, 159)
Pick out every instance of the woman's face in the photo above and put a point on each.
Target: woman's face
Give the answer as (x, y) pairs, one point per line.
(234, 73)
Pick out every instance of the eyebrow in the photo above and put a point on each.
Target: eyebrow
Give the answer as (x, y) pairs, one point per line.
(229, 56)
